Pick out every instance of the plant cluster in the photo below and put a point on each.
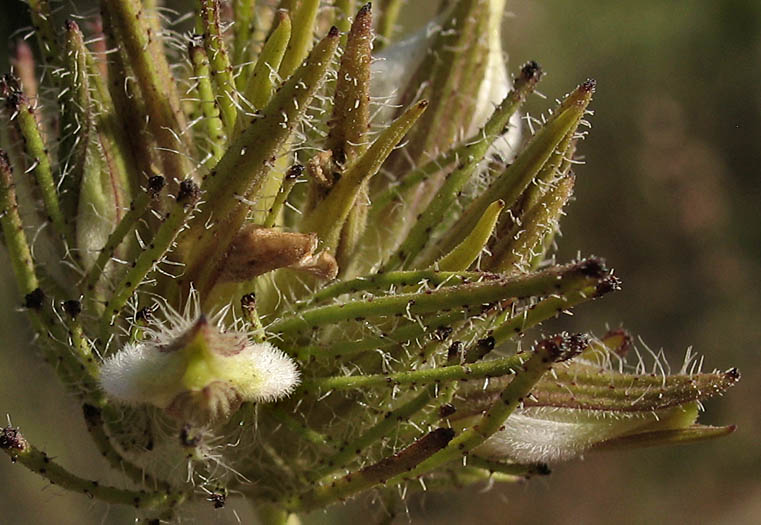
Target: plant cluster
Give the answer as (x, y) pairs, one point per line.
(295, 271)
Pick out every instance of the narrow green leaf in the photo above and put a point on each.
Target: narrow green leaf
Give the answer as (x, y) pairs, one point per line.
(244, 28)
(344, 10)
(261, 84)
(328, 218)
(465, 253)
(390, 10)
(303, 18)
(42, 18)
(157, 87)
(658, 438)
(526, 242)
(514, 180)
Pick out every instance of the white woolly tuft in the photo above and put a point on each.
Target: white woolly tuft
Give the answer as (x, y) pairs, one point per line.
(539, 434)
(150, 373)
(136, 374)
(272, 375)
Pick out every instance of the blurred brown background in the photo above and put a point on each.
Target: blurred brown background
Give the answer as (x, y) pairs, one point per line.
(670, 195)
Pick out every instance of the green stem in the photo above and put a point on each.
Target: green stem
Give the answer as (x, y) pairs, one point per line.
(303, 18)
(356, 448)
(322, 495)
(95, 425)
(175, 220)
(20, 450)
(280, 415)
(260, 86)
(389, 14)
(221, 69)
(244, 27)
(212, 122)
(547, 308)
(137, 210)
(35, 148)
(13, 231)
(42, 18)
(408, 331)
(493, 368)
(382, 281)
(274, 213)
(460, 296)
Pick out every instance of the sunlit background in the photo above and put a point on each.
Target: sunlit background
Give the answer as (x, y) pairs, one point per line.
(670, 194)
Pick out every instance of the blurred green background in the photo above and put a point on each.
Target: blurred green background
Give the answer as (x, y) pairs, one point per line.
(670, 195)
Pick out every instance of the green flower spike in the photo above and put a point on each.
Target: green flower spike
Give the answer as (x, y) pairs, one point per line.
(293, 260)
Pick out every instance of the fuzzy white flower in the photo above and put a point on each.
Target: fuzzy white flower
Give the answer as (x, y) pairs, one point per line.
(196, 370)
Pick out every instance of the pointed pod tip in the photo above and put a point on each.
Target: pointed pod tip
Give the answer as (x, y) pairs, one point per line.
(442, 436)
(71, 26)
(248, 301)
(189, 193)
(581, 96)
(334, 32)
(733, 374)
(72, 307)
(593, 267)
(294, 172)
(609, 284)
(22, 50)
(11, 438)
(365, 9)
(10, 89)
(156, 183)
(563, 347)
(531, 71)
(422, 104)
